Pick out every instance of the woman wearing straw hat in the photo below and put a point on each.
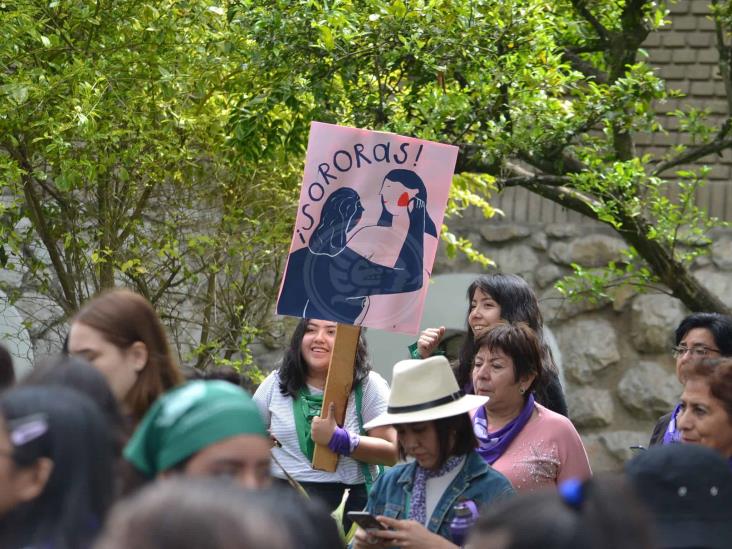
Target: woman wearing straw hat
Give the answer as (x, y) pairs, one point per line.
(415, 501)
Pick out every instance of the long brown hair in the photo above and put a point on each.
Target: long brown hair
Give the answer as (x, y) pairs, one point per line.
(124, 317)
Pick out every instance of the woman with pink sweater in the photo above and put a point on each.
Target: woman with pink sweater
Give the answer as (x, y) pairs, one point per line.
(528, 443)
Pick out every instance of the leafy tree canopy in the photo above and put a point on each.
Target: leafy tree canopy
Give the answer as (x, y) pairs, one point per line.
(544, 95)
(116, 165)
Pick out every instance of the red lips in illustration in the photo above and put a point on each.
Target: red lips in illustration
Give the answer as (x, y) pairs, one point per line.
(403, 199)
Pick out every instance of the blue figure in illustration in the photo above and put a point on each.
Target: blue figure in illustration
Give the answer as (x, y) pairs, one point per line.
(354, 253)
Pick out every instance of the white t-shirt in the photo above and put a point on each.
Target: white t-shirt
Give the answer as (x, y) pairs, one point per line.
(435, 487)
(276, 410)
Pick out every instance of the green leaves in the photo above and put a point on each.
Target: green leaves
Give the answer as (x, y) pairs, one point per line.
(114, 143)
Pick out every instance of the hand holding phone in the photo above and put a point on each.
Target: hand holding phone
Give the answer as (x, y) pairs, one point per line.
(365, 520)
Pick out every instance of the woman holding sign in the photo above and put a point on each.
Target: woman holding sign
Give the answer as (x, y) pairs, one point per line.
(290, 400)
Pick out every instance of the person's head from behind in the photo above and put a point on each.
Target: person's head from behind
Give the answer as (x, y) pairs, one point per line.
(56, 459)
(688, 490)
(7, 371)
(78, 374)
(601, 513)
(705, 413)
(308, 520)
(190, 514)
(507, 365)
(121, 335)
(429, 412)
(700, 336)
(341, 212)
(203, 429)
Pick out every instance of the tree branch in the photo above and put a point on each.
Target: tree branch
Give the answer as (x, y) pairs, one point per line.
(695, 153)
(137, 212)
(561, 194)
(585, 67)
(581, 7)
(35, 212)
(725, 58)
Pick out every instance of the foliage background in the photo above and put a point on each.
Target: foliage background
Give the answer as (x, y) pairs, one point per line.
(159, 145)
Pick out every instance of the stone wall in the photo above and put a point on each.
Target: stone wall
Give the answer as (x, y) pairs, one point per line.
(615, 355)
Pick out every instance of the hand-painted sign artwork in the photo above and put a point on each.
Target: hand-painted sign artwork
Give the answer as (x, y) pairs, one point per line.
(367, 228)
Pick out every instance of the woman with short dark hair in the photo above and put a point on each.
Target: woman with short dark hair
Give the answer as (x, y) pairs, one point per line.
(698, 336)
(415, 502)
(705, 412)
(56, 468)
(519, 437)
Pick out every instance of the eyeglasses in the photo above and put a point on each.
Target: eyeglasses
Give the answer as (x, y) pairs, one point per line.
(696, 352)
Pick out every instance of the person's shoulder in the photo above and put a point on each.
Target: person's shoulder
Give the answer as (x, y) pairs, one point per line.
(549, 418)
(375, 377)
(273, 379)
(388, 482)
(375, 385)
(551, 423)
(660, 428)
(392, 474)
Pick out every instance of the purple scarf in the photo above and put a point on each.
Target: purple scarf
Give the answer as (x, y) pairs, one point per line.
(492, 445)
(672, 433)
(418, 509)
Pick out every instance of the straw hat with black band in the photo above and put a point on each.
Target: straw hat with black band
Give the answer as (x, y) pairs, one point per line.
(425, 390)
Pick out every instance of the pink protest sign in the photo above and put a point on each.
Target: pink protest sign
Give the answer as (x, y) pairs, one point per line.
(366, 233)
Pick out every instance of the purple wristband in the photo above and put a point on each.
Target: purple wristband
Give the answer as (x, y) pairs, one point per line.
(342, 442)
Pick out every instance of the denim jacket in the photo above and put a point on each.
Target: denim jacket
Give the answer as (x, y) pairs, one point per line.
(476, 481)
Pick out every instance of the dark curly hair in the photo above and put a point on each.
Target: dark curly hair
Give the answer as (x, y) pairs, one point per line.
(293, 372)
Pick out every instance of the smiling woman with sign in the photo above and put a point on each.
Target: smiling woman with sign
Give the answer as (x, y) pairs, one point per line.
(291, 399)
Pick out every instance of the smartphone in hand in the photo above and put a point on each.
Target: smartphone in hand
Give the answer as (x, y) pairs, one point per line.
(365, 520)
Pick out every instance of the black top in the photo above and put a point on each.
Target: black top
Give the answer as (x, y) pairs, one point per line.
(659, 429)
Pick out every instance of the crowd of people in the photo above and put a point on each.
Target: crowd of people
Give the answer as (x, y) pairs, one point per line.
(109, 446)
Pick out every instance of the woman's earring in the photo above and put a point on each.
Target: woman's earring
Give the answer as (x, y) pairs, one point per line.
(522, 390)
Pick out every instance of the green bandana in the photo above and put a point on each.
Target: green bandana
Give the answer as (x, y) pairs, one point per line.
(305, 407)
(187, 419)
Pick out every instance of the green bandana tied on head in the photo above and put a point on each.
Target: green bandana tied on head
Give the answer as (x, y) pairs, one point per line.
(189, 418)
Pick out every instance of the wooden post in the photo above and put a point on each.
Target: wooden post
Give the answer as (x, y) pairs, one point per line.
(337, 387)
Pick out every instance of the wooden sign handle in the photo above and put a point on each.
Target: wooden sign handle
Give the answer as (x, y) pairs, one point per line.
(337, 388)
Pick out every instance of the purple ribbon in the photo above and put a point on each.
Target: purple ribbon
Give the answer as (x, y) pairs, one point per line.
(492, 445)
(672, 434)
(343, 442)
